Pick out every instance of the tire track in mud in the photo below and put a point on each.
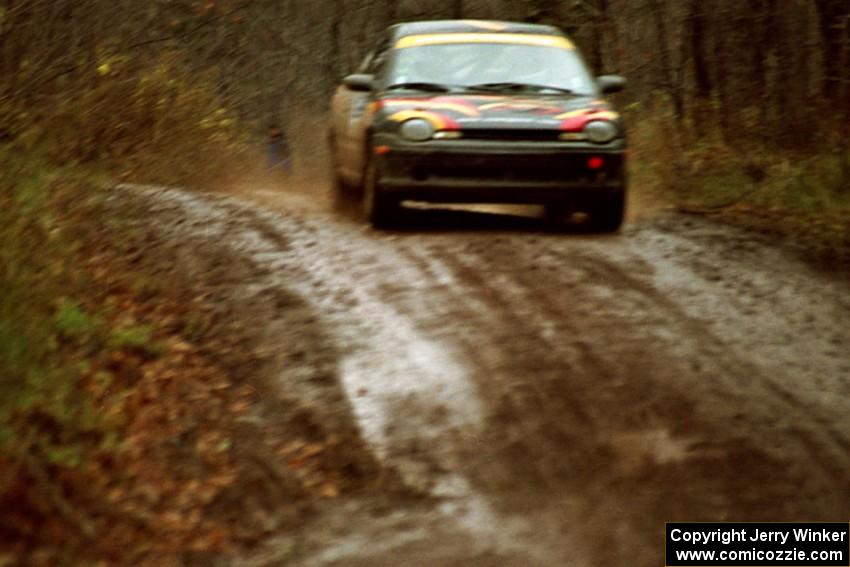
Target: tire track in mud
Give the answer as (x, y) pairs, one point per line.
(773, 373)
(380, 349)
(736, 378)
(735, 372)
(705, 357)
(561, 395)
(497, 312)
(401, 380)
(567, 435)
(515, 417)
(489, 356)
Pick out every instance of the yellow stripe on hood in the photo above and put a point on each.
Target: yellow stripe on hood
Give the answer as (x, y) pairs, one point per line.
(555, 41)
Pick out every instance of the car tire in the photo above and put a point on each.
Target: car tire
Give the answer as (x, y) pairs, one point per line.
(380, 210)
(608, 215)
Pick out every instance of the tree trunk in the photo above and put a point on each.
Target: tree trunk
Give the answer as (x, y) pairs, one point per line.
(830, 16)
(601, 23)
(696, 23)
(668, 75)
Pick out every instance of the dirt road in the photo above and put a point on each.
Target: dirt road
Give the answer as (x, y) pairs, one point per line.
(551, 399)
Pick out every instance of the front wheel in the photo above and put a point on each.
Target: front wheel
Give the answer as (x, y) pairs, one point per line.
(380, 209)
(608, 215)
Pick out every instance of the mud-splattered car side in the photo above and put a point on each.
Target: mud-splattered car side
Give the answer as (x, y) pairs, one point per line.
(480, 112)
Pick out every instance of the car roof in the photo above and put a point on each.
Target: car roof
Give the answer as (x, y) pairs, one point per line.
(470, 26)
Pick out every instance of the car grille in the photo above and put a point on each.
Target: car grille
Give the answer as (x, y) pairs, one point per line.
(571, 168)
(512, 135)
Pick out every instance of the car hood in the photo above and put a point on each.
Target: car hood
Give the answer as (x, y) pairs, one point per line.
(497, 112)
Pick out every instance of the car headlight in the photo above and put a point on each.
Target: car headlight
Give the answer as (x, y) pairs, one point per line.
(601, 131)
(417, 130)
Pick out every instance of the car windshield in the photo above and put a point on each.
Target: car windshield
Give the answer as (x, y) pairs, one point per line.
(478, 64)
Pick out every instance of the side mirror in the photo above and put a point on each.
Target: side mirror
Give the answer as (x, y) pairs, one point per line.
(359, 83)
(609, 84)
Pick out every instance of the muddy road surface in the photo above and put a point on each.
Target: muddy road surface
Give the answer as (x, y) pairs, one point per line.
(548, 398)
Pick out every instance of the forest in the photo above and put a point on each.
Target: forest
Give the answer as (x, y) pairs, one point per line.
(710, 81)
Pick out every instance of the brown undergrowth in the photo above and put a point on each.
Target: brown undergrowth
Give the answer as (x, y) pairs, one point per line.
(136, 426)
(798, 190)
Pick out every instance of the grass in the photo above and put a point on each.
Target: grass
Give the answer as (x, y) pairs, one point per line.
(136, 338)
(72, 322)
(26, 257)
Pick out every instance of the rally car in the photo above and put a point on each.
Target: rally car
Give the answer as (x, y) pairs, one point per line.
(479, 112)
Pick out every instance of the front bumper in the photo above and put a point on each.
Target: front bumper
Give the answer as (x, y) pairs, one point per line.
(458, 171)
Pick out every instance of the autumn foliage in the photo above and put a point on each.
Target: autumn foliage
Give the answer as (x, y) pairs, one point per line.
(129, 434)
